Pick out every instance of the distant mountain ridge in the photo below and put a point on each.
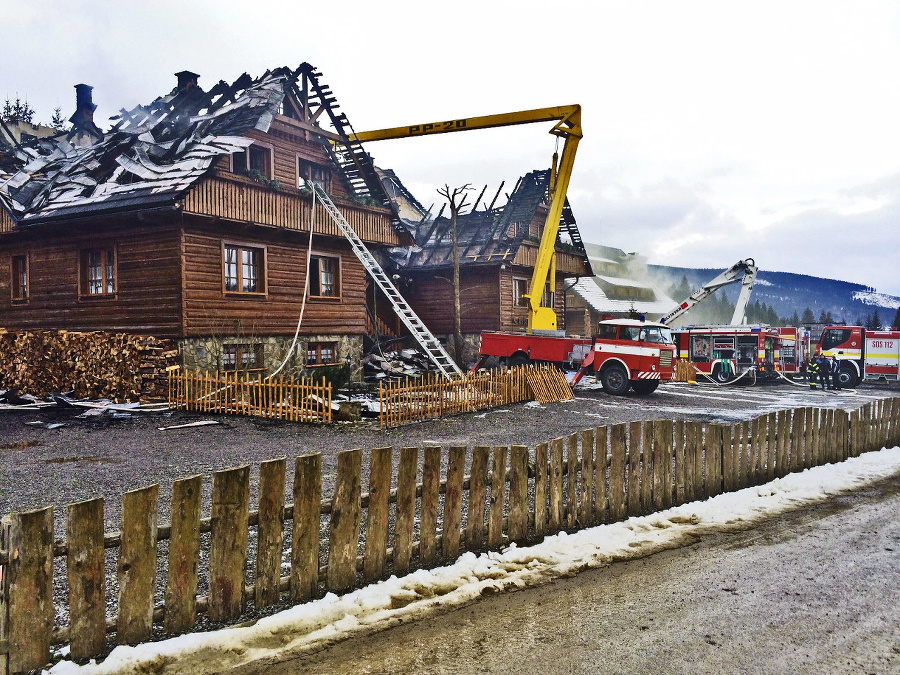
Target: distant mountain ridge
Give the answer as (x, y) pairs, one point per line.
(787, 293)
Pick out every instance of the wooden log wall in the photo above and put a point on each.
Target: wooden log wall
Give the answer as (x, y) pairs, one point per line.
(597, 476)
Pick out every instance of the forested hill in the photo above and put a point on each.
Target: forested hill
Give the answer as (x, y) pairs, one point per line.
(785, 293)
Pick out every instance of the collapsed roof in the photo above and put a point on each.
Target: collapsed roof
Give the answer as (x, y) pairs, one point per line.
(155, 153)
(493, 235)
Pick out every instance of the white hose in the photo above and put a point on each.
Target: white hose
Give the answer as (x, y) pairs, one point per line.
(724, 384)
(312, 223)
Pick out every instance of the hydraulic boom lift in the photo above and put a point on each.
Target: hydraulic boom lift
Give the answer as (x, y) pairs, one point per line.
(568, 126)
(743, 271)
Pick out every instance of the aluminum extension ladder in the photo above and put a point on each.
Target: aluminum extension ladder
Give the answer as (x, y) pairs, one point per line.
(413, 323)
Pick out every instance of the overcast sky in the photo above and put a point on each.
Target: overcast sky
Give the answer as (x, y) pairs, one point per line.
(713, 131)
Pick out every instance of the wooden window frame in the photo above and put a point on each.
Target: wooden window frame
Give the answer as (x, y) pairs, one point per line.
(84, 282)
(17, 294)
(301, 161)
(317, 348)
(518, 300)
(549, 294)
(246, 154)
(339, 273)
(241, 351)
(261, 277)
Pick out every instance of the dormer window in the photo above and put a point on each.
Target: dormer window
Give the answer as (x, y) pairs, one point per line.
(255, 161)
(309, 172)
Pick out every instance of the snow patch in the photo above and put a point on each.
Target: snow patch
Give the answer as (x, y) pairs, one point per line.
(313, 625)
(877, 299)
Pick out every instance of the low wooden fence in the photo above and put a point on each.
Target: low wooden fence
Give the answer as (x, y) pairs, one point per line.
(432, 396)
(251, 393)
(595, 476)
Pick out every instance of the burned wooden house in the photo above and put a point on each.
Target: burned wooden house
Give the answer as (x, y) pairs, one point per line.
(498, 248)
(192, 218)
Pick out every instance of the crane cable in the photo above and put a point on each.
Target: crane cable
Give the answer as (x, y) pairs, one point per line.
(312, 224)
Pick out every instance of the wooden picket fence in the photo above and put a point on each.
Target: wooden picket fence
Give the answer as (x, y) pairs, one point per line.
(595, 476)
(251, 393)
(431, 396)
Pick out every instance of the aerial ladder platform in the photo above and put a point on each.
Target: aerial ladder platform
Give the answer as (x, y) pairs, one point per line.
(429, 343)
(743, 271)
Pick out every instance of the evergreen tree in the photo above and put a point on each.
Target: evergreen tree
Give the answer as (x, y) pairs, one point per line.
(822, 317)
(876, 320)
(58, 122)
(868, 322)
(18, 111)
(829, 318)
(808, 317)
(896, 322)
(794, 320)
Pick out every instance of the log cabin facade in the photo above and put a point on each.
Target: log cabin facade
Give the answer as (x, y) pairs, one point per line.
(191, 219)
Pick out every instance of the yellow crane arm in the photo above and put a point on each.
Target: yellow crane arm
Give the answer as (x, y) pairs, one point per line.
(568, 126)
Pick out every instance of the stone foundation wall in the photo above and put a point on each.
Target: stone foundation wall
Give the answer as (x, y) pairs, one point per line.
(205, 354)
(471, 343)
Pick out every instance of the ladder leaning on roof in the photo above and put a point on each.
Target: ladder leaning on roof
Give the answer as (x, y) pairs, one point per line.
(419, 331)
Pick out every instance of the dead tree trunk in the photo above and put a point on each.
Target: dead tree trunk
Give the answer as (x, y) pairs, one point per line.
(455, 207)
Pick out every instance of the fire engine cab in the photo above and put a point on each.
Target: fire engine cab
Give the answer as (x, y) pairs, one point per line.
(630, 354)
(726, 352)
(864, 354)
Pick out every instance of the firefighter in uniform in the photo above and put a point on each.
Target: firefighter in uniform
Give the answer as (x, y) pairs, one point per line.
(812, 371)
(835, 373)
(824, 370)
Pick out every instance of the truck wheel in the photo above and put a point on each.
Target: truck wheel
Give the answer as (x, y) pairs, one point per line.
(518, 359)
(645, 387)
(848, 376)
(721, 375)
(615, 380)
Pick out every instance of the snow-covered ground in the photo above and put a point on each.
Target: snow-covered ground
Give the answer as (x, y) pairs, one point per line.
(877, 299)
(315, 624)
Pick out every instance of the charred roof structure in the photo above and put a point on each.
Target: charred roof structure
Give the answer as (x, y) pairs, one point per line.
(494, 234)
(154, 153)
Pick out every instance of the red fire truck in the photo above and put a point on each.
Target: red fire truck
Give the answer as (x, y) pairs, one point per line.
(625, 354)
(726, 352)
(864, 354)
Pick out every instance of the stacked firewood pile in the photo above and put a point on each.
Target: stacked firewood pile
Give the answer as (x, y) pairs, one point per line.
(117, 366)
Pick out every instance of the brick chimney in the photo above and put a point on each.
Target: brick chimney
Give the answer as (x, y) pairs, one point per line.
(84, 131)
(186, 80)
(84, 105)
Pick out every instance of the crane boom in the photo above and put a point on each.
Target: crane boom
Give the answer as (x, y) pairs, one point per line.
(568, 126)
(743, 271)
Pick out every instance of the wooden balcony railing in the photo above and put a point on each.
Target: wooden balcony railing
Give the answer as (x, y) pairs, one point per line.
(236, 198)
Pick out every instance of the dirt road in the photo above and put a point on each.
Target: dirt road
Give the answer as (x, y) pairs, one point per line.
(812, 591)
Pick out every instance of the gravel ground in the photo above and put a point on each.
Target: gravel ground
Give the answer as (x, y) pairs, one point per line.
(104, 457)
